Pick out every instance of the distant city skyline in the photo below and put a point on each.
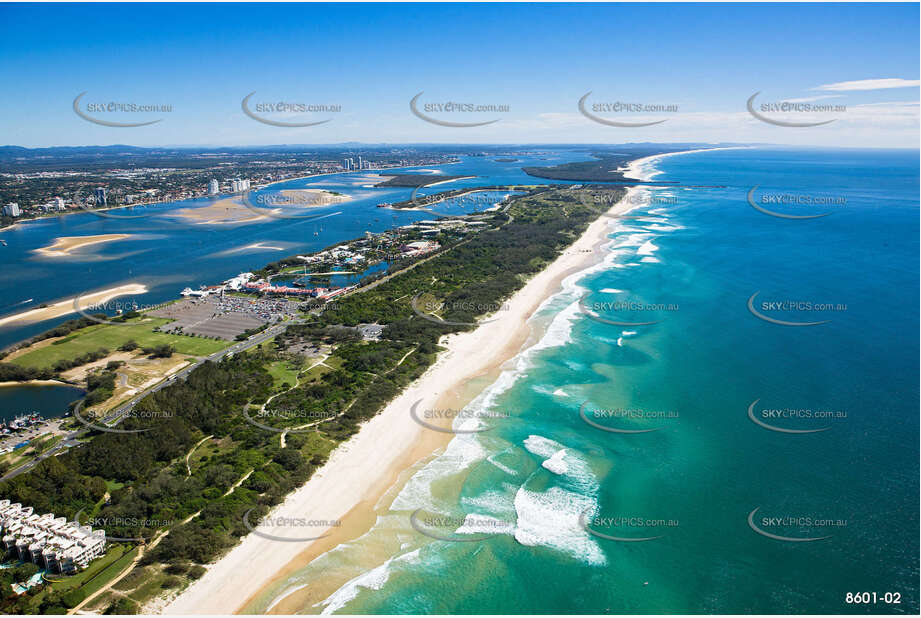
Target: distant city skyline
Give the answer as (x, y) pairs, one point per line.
(698, 67)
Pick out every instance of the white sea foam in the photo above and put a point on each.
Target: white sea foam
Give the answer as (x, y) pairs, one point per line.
(372, 580)
(611, 291)
(557, 463)
(284, 593)
(551, 519)
(541, 446)
(647, 249)
(560, 393)
(632, 240)
(480, 524)
(461, 452)
(498, 502)
(665, 228)
(650, 260)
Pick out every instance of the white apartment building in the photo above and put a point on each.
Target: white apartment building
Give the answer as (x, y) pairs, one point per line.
(214, 187)
(58, 545)
(12, 210)
(238, 185)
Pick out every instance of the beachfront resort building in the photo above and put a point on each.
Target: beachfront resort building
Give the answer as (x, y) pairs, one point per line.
(12, 210)
(214, 187)
(101, 196)
(420, 247)
(238, 185)
(54, 543)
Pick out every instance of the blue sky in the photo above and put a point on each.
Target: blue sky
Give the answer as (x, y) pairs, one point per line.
(537, 59)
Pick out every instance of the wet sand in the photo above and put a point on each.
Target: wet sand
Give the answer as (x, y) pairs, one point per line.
(65, 245)
(67, 306)
(361, 470)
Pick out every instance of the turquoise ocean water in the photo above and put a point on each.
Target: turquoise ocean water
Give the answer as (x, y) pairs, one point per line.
(773, 468)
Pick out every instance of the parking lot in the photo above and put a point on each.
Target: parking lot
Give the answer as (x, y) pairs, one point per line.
(222, 317)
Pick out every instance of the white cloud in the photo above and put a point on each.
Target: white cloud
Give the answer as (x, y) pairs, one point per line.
(892, 104)
(870, 84)
(815, 98)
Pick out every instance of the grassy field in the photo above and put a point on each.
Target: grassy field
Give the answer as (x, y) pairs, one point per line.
(115, 553)
(282, 371)
(105, 576)
(94, 577)
(111, 337)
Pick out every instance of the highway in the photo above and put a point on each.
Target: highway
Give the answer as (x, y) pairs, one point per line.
(117, 415)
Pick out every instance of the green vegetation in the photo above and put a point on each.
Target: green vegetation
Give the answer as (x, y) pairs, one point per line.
(284, 372)
(416, 180)
(100, 386)
(435, 198)
(243, 469)
(251, 331)
(112, 337)
(59, 593)
(602, 169)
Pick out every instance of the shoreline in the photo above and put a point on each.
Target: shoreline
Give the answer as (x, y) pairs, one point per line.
(63, 246)
(385, 447)
(633, 170)
(441, 182)
(64, 307)
(76, 211)
(443, 199)
(36, 383)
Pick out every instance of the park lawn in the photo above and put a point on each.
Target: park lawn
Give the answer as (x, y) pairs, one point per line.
(96, 567)
(317, 370)
(111, 337)
(281, 372)
(104, 577)
(94, 571)
(335, 362)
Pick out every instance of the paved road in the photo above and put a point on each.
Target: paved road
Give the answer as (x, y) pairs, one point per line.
(117, 415)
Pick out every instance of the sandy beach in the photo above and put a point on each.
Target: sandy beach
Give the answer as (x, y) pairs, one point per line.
(310, 197)
(362, 469)
(232, 210)
(634, 170)
(228, 210)
(67, 306)
(65, 245)
(36, 383)
(449, 180)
